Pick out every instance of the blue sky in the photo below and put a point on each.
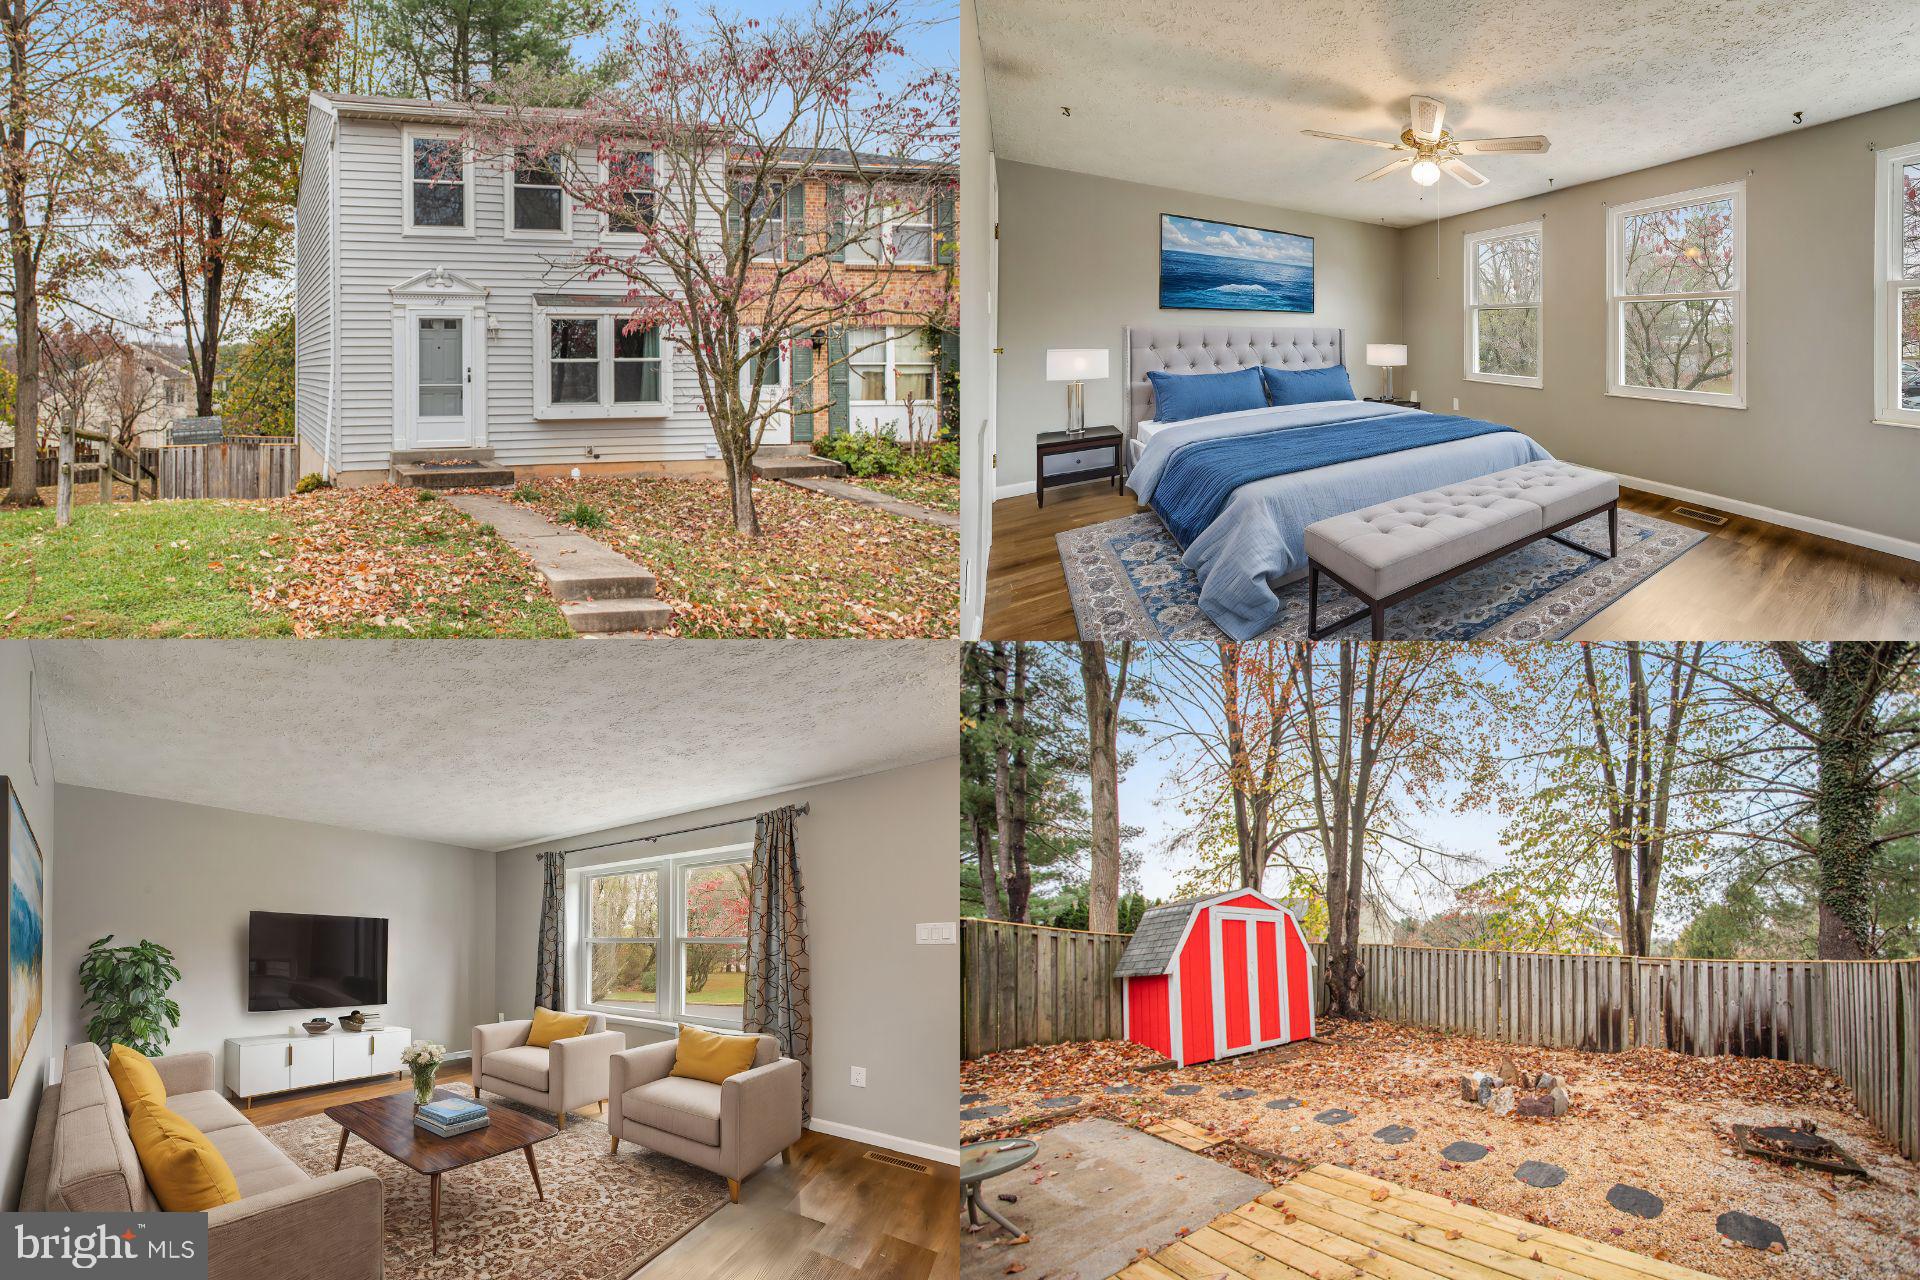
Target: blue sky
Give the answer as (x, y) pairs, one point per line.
(1217, 239)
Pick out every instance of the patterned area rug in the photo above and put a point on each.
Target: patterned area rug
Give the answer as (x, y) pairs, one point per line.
(1127, 583)
(603, 1219)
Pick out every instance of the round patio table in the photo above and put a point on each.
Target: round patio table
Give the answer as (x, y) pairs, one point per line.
(982, 1160)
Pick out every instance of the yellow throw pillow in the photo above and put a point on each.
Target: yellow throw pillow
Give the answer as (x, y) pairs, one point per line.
(549, 1026)
(134, 1077)
(187, 1173)
(712, 1056)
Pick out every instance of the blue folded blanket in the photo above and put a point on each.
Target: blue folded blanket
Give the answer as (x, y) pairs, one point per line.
(1201, 476)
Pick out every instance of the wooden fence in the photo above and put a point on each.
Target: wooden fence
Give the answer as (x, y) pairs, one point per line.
(1022, 985)
(46, 466)
(256, 467)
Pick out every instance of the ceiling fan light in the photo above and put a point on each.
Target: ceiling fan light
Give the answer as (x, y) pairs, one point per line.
(1424, 172)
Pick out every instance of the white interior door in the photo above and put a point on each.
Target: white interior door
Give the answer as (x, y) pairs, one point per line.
(443, 409)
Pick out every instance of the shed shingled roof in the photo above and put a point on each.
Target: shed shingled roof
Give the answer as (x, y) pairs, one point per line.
(1155, 939)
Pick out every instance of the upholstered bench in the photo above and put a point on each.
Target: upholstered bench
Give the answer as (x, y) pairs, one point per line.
(1393, 551)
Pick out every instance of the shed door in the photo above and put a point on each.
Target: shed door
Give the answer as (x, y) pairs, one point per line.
(1236, 1003)
(1299, 987)
(1250, 991)
(1272, 1024)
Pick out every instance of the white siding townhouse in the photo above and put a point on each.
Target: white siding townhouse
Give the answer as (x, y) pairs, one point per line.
(447, 315)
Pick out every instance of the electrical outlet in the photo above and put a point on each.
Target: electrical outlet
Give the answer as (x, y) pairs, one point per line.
(1456, 404)
(934, 933)
(859, 1077)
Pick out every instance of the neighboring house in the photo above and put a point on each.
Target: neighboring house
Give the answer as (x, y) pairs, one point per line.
(449, 314)
(1376, 920)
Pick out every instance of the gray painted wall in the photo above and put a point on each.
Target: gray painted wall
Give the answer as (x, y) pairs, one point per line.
(186, 875)
(1080, 261)
(875, 860)
(1806, 444)
(19, 723)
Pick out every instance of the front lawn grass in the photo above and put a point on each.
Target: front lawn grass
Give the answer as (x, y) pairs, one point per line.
(942, 493)
(823, 566)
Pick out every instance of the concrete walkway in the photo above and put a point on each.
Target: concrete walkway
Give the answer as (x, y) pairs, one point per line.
(599, 589)
(874, 498)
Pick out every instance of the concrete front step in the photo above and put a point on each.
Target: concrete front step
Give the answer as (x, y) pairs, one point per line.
(476, 454)
(596, 617)
(477, 475)
(789, 468)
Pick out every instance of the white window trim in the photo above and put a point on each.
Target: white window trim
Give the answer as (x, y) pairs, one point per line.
(407, 137)
(779, 254)
(1616, 301)
(893, 401)
(670, 1006)
(888, 215)
(1470, 246)
(1888, 284)
(605, 220)
(603, 409)
(513, 232)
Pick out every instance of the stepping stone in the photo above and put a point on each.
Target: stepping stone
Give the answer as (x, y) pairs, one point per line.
(967, 1099)
(983, 1113)
(1744, 1228)
(1182, 1090)
(1123, 1088)
(1054, 1104)
(1463, 1152)
(1538, 1173)
(1393, 1134)
(1234, 1095)
(1641, 1204)
(1283, 1104)
(1334, 1115)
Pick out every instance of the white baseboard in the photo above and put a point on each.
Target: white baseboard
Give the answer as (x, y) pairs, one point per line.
(1017, 488)
(1786, 519)
(905, 1146)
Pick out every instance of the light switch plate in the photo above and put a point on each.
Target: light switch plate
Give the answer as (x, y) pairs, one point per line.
(946, 932)
(859, 1077)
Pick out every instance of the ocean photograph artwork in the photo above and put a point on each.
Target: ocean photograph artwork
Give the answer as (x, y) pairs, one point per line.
(25, 898)
(1217, 266)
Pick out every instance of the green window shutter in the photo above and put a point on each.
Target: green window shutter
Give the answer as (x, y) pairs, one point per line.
(736, 220)
(949, 382)
(796, 221)
(943, 222)
(837, 220)
(837, 412)
(800, 375)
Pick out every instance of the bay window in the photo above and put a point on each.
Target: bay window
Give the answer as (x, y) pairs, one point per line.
(438, 199)
(1896, 286)
(1676, 286)
(538, 205)
(592, 366)
(1504, 291)
(667, 938)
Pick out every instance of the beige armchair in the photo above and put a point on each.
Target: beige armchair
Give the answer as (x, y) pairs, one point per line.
(568, 1074)
(731, 1129)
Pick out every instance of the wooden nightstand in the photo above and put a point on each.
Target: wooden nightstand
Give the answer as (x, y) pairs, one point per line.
(1049, 443)
(1404, 404)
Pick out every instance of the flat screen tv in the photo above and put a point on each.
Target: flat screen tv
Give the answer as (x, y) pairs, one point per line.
(315, 962)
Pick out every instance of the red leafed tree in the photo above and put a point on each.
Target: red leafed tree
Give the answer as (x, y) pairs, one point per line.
(216, 116)
(748, 160)
(717, 903)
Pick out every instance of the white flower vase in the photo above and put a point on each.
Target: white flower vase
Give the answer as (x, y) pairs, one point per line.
(423, 1074)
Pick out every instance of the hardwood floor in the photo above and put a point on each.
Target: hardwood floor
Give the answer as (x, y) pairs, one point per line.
(832, 1214)
(1748, 581)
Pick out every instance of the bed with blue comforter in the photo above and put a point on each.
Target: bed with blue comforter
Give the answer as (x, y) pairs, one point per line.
(1238, 490)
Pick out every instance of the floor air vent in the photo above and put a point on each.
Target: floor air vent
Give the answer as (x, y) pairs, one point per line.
(903, 1162)
(1695, 513)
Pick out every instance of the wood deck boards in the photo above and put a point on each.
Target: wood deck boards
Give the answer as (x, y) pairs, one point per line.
(1334, 1224)
(1181, 1134)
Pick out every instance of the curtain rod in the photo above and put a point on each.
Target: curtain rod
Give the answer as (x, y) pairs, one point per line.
(799, 811)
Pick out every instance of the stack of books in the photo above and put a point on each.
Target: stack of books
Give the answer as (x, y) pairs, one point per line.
(450, 1117)
(371, 1022)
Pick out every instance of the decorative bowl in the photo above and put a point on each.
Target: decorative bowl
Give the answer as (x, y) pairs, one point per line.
(317, 1026)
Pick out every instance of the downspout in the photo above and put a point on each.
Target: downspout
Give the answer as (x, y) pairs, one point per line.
(333, 290)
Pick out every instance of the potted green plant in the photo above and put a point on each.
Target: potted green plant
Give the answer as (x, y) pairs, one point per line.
(127, 989)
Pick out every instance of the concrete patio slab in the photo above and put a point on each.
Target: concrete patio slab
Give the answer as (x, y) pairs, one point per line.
(1112, 1189)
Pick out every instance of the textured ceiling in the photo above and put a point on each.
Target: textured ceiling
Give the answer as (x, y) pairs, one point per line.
(488, 744)
(1212, 98)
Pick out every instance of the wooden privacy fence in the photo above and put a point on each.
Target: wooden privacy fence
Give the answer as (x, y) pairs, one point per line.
(1024, 985)
(256, 467)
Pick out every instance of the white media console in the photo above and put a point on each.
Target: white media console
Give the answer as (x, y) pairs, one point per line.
(258, 1065)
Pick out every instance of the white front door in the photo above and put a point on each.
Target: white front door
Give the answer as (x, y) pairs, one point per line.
(442, 391)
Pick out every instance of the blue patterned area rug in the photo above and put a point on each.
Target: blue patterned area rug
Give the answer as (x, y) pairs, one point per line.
(1127, 583)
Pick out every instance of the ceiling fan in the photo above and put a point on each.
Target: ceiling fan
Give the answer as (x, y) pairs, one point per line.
(1431, 150)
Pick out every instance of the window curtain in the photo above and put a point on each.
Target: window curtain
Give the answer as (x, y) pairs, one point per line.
(779, 977)
(549, 974)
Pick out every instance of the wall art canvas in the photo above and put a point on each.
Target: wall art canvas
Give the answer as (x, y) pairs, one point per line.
(1218, 266)
(25, 943)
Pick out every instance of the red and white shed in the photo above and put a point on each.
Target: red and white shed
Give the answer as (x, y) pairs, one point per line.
(1212, 977)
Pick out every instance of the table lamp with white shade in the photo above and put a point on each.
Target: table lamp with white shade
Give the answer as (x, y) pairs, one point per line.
(1074, 366)
(1388, 356)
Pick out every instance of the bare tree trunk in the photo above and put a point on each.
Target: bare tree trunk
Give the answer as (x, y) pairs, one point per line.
(985, 858)
(746, 519)
(1002, 771)
(1103, 694)
(1019, 877)
(24, 490)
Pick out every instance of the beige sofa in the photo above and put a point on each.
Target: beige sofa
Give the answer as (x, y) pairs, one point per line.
(286, 1225)
(731, 1129)
(569, 1074)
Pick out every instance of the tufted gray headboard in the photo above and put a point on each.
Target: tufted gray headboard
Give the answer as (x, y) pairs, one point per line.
(1218, 350)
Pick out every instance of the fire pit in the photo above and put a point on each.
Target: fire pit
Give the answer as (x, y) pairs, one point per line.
(1508, 1090)
(1798, 1143)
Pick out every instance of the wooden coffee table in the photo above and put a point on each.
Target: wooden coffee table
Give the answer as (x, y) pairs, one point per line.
(387, 1124)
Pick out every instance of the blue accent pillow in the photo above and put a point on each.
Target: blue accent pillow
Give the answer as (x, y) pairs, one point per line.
(1179, 396)
(1304, 386)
